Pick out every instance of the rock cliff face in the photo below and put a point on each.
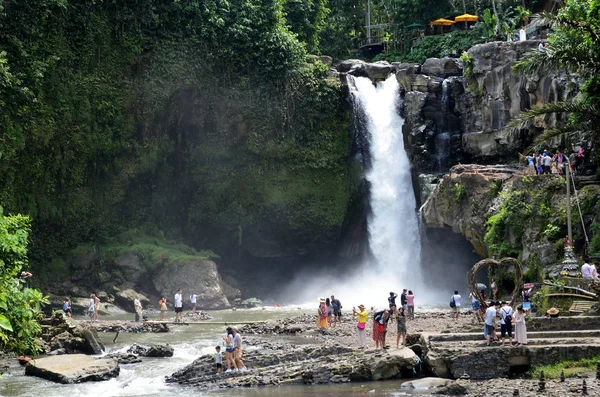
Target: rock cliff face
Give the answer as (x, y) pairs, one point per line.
(502, 212)
(460, 113)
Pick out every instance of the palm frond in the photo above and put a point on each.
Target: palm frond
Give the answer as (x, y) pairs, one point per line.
(526, 119)
(563, 130)
(564, 21)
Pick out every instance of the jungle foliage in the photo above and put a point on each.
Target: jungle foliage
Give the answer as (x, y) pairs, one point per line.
(574, 46)
(20, 306)
(198, 117)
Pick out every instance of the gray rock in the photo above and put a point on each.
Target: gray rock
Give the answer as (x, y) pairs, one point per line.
(405, 74)
(126, 297)
(426, 383)
(441, 67)
(378, 71)
(345, 66)
(151, 350)
(124, 358)
(77, 369)
(251, 302)
(201, 277)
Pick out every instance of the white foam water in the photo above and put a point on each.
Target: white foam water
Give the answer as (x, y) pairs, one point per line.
(394, 237)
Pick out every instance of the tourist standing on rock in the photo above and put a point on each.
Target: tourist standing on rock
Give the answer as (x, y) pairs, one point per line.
(362, 316)
(392, 299)
(67, 307)
(401, 327)
(520, 327)
(92, 308)
(403, 301)
(337, 310)
(137, 305)
(329, 310)
(193, 301)
(96, 307)
(547, 163)
(229, 350)
(410, 303)
(322, 314)
(455, 305)
(178, 306)
(163, 307)
(539, 165)
(489, 324)
(494, 288)
(380, 320)
(237, 350)
(218, 359)
(476, 307)
(531, 165)
(506, 322)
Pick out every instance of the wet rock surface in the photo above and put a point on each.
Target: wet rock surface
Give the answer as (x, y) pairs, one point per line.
(124, 358)
(128, 326)
(151, 350)
(64, 336)
(197, 316)
(77, 368)
(307, 365)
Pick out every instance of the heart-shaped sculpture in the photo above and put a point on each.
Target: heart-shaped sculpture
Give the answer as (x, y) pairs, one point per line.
(472, 279)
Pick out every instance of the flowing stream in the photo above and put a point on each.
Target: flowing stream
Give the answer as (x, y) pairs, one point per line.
(189, 342)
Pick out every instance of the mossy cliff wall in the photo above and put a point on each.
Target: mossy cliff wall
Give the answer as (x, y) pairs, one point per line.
(196, 121)
(505, 213)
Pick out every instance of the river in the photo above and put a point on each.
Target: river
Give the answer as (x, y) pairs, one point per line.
(189, 342)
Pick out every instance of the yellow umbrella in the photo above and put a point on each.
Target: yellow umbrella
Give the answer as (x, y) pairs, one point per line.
(466, 18)
(441, 22)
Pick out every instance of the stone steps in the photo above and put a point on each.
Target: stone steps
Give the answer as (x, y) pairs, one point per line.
(530, 342)
(478, 336)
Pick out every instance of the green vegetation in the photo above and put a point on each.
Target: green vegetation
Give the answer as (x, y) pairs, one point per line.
(525, 205)
(574, 46)
(20, 306)
(571, 367)
(460, 191)
(199, 118)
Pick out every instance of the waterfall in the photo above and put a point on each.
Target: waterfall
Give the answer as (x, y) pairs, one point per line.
(394, 237)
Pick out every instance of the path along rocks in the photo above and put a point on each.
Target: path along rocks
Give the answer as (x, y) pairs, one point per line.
(306, 365)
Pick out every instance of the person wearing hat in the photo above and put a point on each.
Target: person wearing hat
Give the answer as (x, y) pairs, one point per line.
(322, 314)
(361, 326)
(553, 312)
(520, 327)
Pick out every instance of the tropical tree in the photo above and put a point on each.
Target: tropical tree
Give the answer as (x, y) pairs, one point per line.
(574, 46)
(20, 307)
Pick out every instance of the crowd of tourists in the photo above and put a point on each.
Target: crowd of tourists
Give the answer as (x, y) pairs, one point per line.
(548, 163)
(394, 313)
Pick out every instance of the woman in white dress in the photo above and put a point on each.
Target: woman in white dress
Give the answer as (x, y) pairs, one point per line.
(520, 327)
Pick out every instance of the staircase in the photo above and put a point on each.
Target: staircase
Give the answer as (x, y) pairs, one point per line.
(459, 354)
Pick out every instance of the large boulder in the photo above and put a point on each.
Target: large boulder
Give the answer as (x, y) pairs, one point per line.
(151, 350)
(77, 368)
(441, 67)
(196, 276)
(126, 297)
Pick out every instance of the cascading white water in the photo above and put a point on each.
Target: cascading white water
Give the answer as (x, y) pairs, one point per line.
(393, 226)
(394, 235)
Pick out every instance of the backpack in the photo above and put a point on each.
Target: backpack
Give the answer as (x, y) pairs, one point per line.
(508, 317)
(452, 302)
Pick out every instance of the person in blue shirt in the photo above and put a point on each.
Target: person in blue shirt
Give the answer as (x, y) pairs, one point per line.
(67, 307)
(337, 310)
